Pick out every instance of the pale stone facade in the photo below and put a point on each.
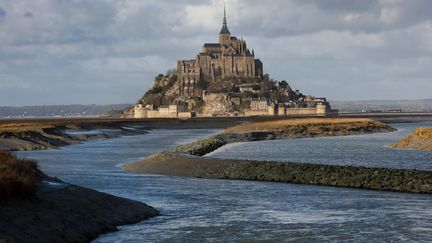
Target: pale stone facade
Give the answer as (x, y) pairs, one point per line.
(171, 111)
(264, 107)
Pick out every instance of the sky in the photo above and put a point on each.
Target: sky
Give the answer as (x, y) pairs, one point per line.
(108, 51)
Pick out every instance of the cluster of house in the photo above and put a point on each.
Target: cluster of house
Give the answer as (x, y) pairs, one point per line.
(258, 107)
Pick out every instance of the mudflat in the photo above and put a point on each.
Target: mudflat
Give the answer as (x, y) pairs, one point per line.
(187, 160)
(48, 133)
(41, 134)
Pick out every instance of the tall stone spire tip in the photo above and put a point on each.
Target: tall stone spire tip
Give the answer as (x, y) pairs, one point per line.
(224, 29)
(224, 18)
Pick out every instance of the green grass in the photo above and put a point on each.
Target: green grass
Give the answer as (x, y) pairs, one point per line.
(18, 178)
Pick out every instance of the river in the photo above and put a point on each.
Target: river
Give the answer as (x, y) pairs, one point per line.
(362, 150)
(201, 210)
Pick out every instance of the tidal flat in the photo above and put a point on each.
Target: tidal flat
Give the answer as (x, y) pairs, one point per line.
(234, 206)
(199, 209)
(188, 160)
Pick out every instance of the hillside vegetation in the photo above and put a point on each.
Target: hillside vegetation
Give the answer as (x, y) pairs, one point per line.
(421, 139)
(18, 178)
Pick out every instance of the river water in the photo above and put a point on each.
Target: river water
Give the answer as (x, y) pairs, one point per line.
(364, 150)
(202, 210)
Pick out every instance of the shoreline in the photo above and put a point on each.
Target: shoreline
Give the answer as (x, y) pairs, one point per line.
(294, 129)
(186, 160)
(53, 133)
(37, 208)
(55, 136)
(420, 139)
(49, 133)
(61, 212)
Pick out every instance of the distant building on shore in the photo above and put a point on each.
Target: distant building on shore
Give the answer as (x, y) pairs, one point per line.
(266, 107)
(171, 111)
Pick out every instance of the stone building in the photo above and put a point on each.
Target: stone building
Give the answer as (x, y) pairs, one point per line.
(264, 107)
(171, 111)
(259, 104)
(229, 58)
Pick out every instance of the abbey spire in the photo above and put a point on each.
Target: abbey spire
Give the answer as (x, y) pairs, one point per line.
(224, 34)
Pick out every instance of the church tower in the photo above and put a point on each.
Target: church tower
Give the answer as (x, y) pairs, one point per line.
(224, 35)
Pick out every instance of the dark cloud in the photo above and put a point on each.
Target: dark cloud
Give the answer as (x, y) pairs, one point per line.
(2, 12)
(28, 15)
(342, 5)
(109, 51)
(305, 16)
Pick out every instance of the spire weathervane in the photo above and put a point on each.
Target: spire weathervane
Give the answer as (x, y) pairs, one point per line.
(224, 18)
(224, 30)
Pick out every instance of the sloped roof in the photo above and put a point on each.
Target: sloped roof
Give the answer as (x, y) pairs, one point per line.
(212, 45)
(225, 30)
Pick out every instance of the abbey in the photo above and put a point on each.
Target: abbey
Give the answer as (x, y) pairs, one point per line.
(224, 79)
(230, 58)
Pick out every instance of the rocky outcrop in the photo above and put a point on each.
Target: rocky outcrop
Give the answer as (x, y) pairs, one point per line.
(217, 104)
(421, 139)
(200, 147)
(299, 173)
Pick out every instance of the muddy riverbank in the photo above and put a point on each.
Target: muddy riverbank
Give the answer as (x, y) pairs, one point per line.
(38, 208)
(54, 136)
(382, 179)
(187, 160)
(61, 212)
(42, 134)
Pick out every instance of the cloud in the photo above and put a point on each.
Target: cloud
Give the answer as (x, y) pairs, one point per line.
(9, 82)
(107, 51)
(2, 12)
(138, 65)
(28, 15)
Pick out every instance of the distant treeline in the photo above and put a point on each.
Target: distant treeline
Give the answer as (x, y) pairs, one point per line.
(424, 105)
(60, 110)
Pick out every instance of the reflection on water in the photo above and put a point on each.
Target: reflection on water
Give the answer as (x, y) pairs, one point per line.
(217, 210)
(365, 150)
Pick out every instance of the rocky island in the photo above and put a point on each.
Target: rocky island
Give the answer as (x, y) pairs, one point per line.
(421, 139)
(224, 79)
